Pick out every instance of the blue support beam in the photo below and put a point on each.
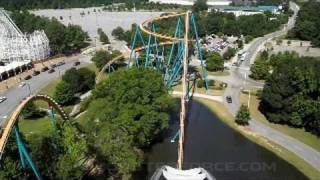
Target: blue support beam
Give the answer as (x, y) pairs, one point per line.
(200, 56)
(25, 157)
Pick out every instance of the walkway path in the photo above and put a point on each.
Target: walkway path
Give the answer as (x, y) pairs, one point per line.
(214, 98)
(235, 84)
(236, 81)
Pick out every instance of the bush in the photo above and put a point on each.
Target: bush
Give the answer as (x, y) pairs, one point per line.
(211, 82)
(200, 83)
(248, 38)
(229, 53)
(103, 37)
(243, 115)
(31, 111)
(64, 93)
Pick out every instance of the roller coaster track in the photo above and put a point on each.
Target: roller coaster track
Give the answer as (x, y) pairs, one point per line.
(15, 116)
(118, 58)
(170, 40)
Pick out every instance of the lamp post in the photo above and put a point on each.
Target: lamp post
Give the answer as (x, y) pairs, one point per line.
(29, 88)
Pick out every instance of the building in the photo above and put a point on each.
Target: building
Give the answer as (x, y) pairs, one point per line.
(247, 10)
(18, 50)
(191, 2)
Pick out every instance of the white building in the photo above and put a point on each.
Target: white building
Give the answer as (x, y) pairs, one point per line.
(17, 50)
(191, 2)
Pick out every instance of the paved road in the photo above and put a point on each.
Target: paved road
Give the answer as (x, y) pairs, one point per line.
(16, 93)
(257, 43)
(237, 80)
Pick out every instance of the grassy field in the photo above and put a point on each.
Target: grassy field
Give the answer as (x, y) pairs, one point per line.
(223, 114)
(39, 126)
(43, 125)
(296, 133)
(214, 91)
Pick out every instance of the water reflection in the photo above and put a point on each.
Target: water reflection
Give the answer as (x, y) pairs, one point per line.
(222, 151)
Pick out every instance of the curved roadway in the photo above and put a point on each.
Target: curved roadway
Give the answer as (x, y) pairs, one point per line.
(237, 81)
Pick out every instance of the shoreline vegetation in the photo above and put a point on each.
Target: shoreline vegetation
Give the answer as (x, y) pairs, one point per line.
(221, 112)
(296, 133)
(223, 115)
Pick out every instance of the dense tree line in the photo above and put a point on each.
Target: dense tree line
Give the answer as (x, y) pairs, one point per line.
(308, 23)
(291, 94)
(63, 39)
(254, 25)
(107, 4)
(60, 4)
(217, 23)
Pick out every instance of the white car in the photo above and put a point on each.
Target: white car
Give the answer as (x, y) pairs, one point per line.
(2, 98)
(22, 84)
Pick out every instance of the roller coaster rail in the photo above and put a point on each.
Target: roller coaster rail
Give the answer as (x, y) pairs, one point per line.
(176, 64)
(173, 69)
(12, 125)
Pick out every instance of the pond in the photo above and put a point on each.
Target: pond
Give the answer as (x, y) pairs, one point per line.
(213, 145)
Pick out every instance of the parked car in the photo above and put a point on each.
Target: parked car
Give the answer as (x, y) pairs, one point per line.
(229, 99)
(51, 71)
(53, 66)
(22, 84)
(77, 63)
(61, 63)
(35, 73)
(27, 77)
(2, 98)
(45, 68)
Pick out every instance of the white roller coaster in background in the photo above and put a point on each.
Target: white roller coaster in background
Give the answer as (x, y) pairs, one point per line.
(17, 48)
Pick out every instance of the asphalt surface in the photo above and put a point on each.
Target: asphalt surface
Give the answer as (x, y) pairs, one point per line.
(237, 80)
(253, 49)
(16, 94)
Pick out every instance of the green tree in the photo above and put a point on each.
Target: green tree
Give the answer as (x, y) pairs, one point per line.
(248, 38)
(32, 111)
(74, 39)
(240, 43)
(80, 80)
(69, 165)
(62, 39)
(55, 33)
(259, 70)
(103, 37)
(214, 62)
(291, 93)
(88, 79)
(243, 115)
(119, 149)
(127, 112)
(229, 53)
(73, 79)
(200, 5)
(101, 58)
(307, 23)
(64, 93)
(10, 166)
(118, 33)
